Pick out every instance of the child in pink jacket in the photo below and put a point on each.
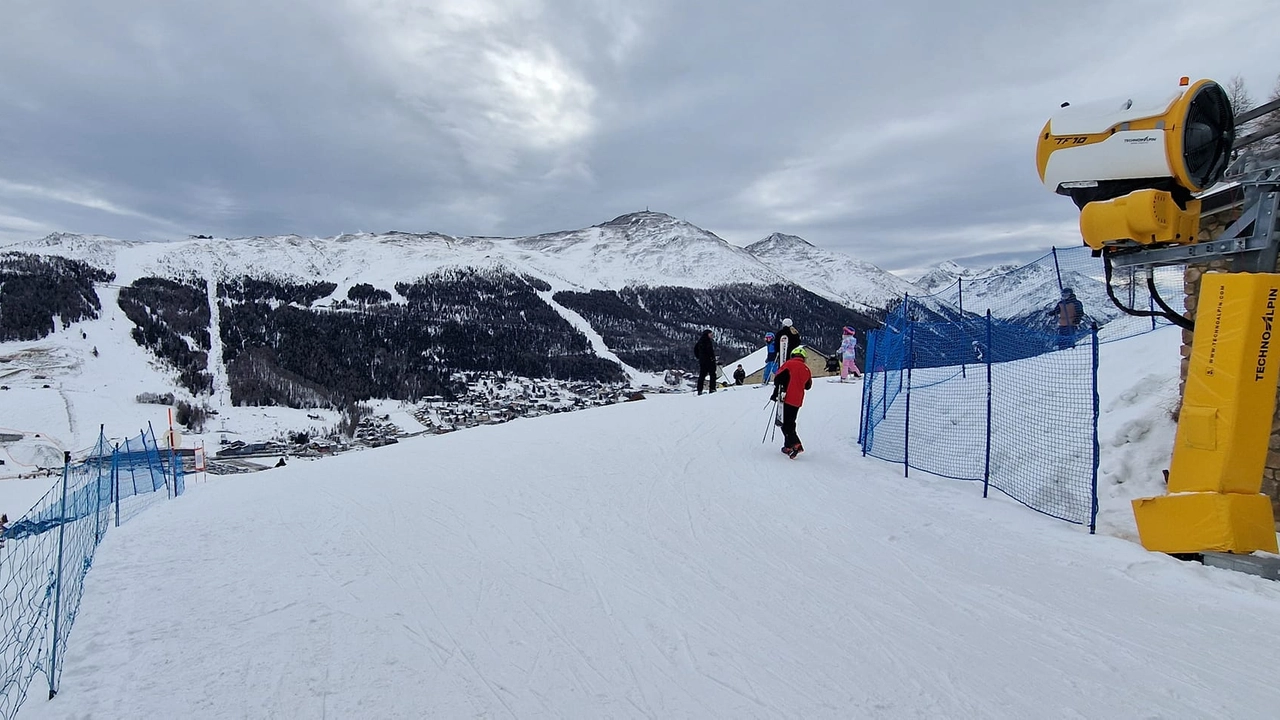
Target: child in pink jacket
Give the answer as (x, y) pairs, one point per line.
(848, 348)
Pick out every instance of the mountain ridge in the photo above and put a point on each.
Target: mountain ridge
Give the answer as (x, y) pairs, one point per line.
(291, 320)
(633, 249)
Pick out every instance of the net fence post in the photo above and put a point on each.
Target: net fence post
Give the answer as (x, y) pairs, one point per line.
(906, 423)
(960, 293)
(862, 404)
(1056, 269)
(906, 327)
(57, 576)
(159, 461)
(133, 475)
(884, 394)
(864, 417)
(1093, 484)
(986, 468)
(115, 480)
(97, 486)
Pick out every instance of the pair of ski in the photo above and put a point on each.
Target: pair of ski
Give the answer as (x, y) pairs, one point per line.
(790, 451)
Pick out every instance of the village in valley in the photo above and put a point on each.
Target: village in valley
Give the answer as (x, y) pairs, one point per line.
(489, 398)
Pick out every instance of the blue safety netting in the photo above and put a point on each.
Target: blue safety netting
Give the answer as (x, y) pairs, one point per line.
(45, 554)
(977, 381)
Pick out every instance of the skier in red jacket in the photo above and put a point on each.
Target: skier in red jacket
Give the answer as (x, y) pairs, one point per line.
(789, 384)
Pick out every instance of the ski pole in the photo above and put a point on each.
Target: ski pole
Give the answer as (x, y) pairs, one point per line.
(772, 414)
(777, 415)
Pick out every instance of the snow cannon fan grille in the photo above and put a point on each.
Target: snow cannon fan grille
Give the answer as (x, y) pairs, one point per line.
(1207, 135)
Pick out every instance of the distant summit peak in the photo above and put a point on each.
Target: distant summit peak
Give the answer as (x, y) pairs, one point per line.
(779, 241)
(635, 218)
(947, 272)
(54, 238)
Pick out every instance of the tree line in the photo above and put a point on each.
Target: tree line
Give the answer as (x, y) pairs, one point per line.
(280, 351)
(38, 291)
(454, 320)
(171, 318)
(654, 328)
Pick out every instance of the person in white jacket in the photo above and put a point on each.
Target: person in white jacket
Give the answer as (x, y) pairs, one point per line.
(848, 349)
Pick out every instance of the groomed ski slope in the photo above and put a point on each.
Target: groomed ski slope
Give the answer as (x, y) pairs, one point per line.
(650, 559)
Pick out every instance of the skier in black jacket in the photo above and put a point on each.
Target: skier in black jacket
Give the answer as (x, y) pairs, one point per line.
(705, 351)
(788, 339)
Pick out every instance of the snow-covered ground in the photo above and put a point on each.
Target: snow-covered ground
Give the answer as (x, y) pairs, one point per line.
(1138, 393)
(656, 559)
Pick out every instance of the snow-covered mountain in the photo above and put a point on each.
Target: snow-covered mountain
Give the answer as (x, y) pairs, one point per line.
(321, 322)
(945, 274)
(639, 249)
(833, 275)
(1026, 292)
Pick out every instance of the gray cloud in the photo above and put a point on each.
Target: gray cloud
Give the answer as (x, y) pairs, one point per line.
(901, 134)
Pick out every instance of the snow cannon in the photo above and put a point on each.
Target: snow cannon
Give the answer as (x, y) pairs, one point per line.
(1133, 165)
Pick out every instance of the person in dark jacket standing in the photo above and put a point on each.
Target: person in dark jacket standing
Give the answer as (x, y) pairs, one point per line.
(705, 351)
(739, 375)
(788, 339)
(788, 386)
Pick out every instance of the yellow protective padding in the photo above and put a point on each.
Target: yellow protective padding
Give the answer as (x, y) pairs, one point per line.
(1199, 427)
(1143, 216)
(1206, 522)
(1225, 424)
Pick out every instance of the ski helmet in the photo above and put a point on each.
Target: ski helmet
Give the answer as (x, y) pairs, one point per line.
(786, 322)
(848, 330)
(1067, 292)
(799, 352)
(768, 336)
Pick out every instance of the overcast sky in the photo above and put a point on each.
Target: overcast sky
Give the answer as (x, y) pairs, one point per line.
(902, 132)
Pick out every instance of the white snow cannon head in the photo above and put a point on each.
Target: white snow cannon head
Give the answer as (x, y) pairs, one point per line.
(1133, 165)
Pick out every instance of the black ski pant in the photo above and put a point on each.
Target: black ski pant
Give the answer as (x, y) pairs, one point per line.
(1066, 337)
(789, 436)
(708, 372)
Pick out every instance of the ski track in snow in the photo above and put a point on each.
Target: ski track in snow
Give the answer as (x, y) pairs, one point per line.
(217, 368)
(648, 560)
(597, 342)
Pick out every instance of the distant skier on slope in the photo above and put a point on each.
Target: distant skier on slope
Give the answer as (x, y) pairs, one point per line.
(705, 351)
(788, 387)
